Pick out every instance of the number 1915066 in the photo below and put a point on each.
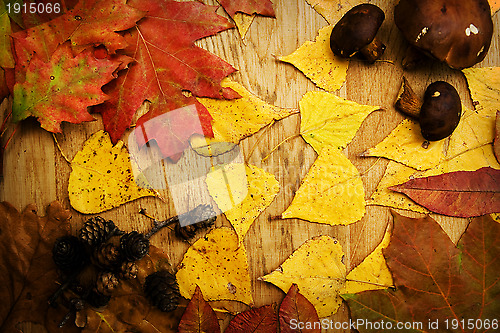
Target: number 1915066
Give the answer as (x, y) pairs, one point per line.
(34, 8)
(472, 324)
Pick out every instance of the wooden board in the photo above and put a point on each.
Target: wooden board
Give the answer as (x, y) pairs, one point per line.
(36, 172)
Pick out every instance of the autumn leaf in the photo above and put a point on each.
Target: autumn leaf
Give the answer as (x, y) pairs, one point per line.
(495, 6)
(128, 309)
(6, 57)
(62, 89)
(168, 64)
(460, 193)
(317, 61)
(4, 90)
(331, 10)
(28, 273)
(218, 264)
(496, 143)
(91, 22)
(199, 316)
(434, 279)
(242, 212)
(102, 177)
(236, 119)
(332, 191)
(259, 320)
(329, 120)
(297, 308)
(484, 86)
(318, 270)
(261, 7)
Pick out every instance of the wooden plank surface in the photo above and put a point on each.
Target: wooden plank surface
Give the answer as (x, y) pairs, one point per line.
(36, 172)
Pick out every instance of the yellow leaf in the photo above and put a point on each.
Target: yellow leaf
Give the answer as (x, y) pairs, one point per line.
(228, 185)
(218, 264)
(329, 120)
(331, 10)
(496, 217)
(317, 268)
(234, 120)
(262, 188)
(243, 22)
(397, 173)
(332, 191)
(102, 177)
(317, 61)
(372, 273)
(495, 6)
(404, 143)
(484, 86)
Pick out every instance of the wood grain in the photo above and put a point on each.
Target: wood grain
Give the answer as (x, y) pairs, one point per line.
(36, 172)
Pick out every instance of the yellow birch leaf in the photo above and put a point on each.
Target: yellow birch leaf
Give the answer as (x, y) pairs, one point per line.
(404, 143)
(397, 173)
(496, 217)
(262, 188)
(484, 86)
(495, 6)
(372, 273)
(102, 177)
(331, 10)
(317, 268)
(218, 264)
(331, 192)
(329, 120)
(234, 120)
(318, 63)
(243, 22)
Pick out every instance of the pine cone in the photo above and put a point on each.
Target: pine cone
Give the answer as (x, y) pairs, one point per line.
(129, 270)
(97, 231)
(69, 254)
(203, 213)
(106, 283)
(162, 290)
(134, 246)
(108, 256)
(96, 299)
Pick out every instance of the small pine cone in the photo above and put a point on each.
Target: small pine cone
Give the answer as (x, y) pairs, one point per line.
(69, 254)
(129, 270)
(108, 256)
(106, 283)
(162, 290)
(97, 231)
(134, 246)
(97, 300)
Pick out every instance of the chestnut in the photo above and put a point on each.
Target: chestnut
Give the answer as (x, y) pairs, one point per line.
(457, 32)
(438, 114)
(355, 32)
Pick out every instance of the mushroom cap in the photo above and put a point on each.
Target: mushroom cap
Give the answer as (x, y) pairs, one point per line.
(356, 29)
(440, 112)
(457, 32)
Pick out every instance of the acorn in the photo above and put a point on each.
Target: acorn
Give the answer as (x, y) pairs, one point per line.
(162, 290)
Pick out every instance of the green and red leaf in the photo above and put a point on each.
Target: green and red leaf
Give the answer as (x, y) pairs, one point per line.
(62, 89)
(6, 56)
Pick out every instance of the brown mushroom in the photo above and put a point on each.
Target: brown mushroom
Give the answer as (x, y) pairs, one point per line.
(457, 32)
(438, 114)
(355, 32)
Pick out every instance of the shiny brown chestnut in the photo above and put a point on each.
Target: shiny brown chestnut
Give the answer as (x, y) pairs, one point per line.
(356, 32)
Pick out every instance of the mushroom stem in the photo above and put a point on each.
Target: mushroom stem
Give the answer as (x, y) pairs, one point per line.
(413, 58)
(373, 51)
(407, 101)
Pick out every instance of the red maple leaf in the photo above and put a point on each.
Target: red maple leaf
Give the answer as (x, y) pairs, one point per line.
(261, 7)
(168, 64)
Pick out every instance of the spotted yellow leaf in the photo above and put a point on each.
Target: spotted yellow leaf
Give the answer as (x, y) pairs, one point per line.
(238, 118)
(329, 120)
(317, 268)
(102, 177)
(372, 273)
(331, 192)
(218, 264)
(405, 143)
(397, 173)
(484, 86)
(495, 6)
(331, 10)
(262, 188)
(318, 63)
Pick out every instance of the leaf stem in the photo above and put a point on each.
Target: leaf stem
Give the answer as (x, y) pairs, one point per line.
(372, 283)
(279, 145)
(60, 149)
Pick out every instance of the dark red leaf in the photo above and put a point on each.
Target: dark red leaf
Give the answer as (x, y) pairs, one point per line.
(261, 7)
(199, 316)
(496, 143)
(257, 320)
(460, 193)
(295, 309)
